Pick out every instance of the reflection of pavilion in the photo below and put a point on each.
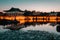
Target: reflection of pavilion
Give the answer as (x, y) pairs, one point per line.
(14, 11)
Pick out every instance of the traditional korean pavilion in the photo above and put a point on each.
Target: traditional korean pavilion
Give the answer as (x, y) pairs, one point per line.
(14, 11)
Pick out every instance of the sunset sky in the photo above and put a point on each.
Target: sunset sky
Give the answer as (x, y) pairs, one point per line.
(38, 5)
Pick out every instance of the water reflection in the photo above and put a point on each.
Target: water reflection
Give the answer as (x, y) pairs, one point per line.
(35, 23)
(23, 19)
(43, 27)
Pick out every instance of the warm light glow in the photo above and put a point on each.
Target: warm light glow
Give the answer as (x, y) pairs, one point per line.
(23, 19)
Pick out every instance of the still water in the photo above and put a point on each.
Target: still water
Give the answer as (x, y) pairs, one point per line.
(37, 32)
(44, 27)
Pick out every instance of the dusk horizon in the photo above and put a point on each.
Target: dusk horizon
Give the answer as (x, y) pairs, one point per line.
(37, 5)
(29, 19)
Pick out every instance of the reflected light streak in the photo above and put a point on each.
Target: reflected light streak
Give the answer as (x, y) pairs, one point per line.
(23, 19)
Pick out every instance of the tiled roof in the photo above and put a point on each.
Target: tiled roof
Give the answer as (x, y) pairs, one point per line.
(13, 10)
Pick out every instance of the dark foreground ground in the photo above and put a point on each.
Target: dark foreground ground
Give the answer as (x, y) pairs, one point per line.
(28, 35)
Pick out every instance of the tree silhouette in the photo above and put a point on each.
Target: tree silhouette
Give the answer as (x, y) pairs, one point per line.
(27, 13)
